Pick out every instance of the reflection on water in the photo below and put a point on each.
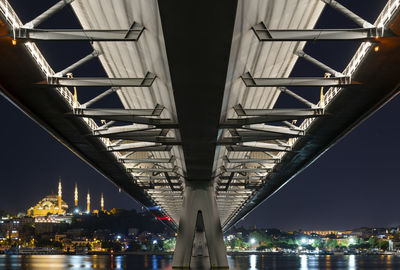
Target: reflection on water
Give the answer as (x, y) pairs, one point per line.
(303, 262)
(352, 262)
(251, 262)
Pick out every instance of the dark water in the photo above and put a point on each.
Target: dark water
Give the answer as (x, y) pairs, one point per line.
(253, 262)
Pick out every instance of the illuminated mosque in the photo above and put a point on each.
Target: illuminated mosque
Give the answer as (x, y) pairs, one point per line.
(54, 204)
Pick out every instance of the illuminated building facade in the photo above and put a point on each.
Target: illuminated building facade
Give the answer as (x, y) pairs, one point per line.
(54, 204)
(88, 203)
(51, 204)
(102, 202)
(76, 195)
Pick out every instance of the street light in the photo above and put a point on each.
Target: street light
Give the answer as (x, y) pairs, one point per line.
(252, 241)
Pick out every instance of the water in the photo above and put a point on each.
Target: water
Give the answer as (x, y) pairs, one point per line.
(251, 262)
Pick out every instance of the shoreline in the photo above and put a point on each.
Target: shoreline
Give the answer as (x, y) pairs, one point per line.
(230, 253)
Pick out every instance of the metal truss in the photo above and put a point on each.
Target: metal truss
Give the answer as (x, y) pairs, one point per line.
(26, 34)
(269, 115)
(140, 147)
(292, 113)
(152, 170)
(299, 81)
(246, 170)
(251, 160)
(148, 160)
(268, 133)
(360, 34)
(100, 113)
(257, 147)
(128, 130)
(156, 177)
(147, 81)
(125, 116)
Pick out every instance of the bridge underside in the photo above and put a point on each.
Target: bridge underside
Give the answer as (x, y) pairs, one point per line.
(199, 85)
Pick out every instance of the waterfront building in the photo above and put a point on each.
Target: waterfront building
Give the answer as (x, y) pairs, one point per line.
(320, 232)
(51, 204)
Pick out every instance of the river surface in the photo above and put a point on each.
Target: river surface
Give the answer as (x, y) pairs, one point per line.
(253, 262)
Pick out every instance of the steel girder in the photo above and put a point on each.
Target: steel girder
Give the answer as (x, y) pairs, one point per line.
(273, 116)
(147, 81)
(243, 134)
(132, 130)
(99, 113)
(156, 122)
(360, 34)
(140, 147)
(251, 160)
(297, 81)
(298, 112)
(149, 160)
(28, 34)
(257, 147)
(152, 170)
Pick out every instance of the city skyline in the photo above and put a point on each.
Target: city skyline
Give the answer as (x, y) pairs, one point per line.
(97, 201)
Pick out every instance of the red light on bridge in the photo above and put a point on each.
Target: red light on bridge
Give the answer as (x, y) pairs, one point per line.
(165, 218)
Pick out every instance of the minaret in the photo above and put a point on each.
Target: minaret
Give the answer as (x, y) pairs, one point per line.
(59, 196)
(76, 196)
(102, 202)
(88, 202)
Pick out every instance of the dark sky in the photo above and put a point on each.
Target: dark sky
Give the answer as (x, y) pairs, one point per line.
(354, 184)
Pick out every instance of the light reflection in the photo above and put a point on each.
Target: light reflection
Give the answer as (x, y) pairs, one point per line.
(303, 262)
(154, 262)
(389, 260)
(146, 261)
(118, 262)
(253, 261)
(313, 262)
(352, 262)
(328, 262)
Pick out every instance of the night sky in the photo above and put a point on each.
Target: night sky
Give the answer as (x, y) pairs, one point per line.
(354, 184)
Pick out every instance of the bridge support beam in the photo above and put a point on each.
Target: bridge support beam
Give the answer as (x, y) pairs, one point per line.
(200, 240)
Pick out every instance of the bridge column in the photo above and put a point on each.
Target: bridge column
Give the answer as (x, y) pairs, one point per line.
(200, 236)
